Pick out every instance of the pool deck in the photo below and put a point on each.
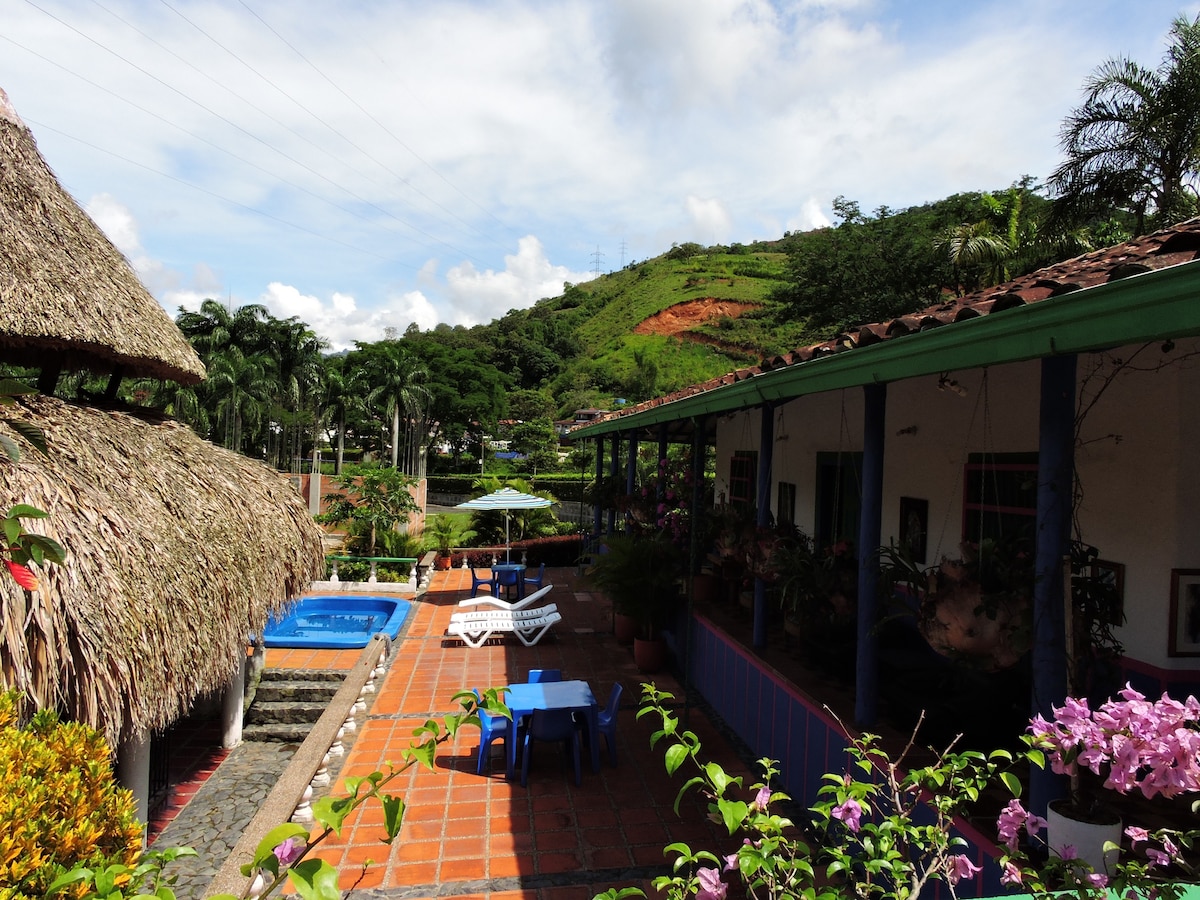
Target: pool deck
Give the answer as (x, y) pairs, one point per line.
(466, 835)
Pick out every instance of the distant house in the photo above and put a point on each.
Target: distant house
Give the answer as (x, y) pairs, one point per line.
(1062, 403)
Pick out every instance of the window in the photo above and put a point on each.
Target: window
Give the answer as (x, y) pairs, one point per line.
(999, 496)
(839, 497)
(785, 503)
(743, 478)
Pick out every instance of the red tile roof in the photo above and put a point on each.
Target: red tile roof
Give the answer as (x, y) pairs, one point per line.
(1170, 247)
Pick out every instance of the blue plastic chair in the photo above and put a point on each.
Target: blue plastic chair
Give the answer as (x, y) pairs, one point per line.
(491, 728)
(556, 725)
(536, 580)
(541, 676)
(508, 578)
(477, 583)
(607, 721)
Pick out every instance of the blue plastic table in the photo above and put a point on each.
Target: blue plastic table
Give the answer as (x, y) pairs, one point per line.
(523, 699)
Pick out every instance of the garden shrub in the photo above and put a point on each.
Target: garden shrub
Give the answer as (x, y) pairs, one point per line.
(59, 803)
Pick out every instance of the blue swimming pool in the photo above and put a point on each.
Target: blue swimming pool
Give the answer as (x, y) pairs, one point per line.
(337, 622)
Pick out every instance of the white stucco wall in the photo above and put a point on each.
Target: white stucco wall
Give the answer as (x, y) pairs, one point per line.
(1140, 502)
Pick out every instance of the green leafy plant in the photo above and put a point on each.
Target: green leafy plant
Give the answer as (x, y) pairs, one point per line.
(883, 827)
(59, 804)
(9, 390)
(23, 547)
(638, 574)
(372, 502)
(284, 852)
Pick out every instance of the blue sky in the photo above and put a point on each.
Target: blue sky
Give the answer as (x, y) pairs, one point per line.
(415, 161)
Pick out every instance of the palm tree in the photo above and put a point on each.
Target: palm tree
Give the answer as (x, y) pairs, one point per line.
(242, 388)
(216, 327)
(400, 387)
(296, 351)
(342, 391)
(1134, 144)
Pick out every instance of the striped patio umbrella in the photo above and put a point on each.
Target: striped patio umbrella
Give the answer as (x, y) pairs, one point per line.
(506, 499)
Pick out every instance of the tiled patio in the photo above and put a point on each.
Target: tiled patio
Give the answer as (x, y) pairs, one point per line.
(469, 835)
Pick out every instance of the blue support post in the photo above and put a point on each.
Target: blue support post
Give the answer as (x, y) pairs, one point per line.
(866, 684)
(614, 466)
(1056, 471)
(597, 509)
(662, 456)
(631, 473)
(766, 447)
(699, 514)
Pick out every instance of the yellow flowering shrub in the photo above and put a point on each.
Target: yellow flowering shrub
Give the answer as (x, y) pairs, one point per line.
(60, 805)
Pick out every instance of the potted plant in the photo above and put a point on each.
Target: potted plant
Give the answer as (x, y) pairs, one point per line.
(818, 592)
(975, 609)
(442, 532)
(638, 574)
(1136, 745)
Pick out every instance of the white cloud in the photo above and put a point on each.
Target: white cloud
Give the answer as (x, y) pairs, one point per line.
(710, 218)
(527, 277)
(385, 173)
(341, 322)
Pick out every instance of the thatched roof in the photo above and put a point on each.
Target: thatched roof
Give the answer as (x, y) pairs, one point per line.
(68, 298)
(177, 550)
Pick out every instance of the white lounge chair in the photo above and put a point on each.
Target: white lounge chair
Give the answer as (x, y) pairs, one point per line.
(500, 602)
(529, 626)
(518, 615)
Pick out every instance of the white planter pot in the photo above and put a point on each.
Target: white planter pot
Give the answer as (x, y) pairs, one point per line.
(1086, 837)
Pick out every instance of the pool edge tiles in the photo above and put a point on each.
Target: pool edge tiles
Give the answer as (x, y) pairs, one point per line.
(291, 633)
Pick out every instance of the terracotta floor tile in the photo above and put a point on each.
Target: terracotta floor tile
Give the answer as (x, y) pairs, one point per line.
(412, 873)
(551, 863)
(460, 827)
(467, 869)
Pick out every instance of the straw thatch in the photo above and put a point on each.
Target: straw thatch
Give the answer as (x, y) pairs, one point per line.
(176, 551)
(68, 299)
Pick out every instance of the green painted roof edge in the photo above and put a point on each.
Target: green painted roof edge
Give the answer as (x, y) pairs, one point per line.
(1150, 306)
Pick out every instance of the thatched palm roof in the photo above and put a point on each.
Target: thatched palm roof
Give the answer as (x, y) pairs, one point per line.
(68, 298)
(177, 550)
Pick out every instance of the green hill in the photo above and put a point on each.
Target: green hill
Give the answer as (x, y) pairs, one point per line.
(686, 316)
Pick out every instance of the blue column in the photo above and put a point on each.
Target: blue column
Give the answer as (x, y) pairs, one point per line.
(766, 447)
(597, 509)
(662, 455)
(699, 514)
(614, 466)
(866, 686)
(631, 472)
(1056, 469)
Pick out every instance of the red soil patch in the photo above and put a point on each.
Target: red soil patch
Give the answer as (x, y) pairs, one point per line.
(674, 320)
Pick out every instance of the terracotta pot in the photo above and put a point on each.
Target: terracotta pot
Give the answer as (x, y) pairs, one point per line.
(624, 627)
(1063, 830)
(442, 563)
(649, 655)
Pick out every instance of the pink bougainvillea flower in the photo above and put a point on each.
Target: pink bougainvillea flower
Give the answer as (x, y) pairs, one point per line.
(711, 885)
(849, 813)
(1096, 879)
(289, 851)
(1157, 857)
(1010, 822)
(1135, 834)
(1068, 851)
(1011, 874)
(22, 575)
(960, 868)
(762, 799)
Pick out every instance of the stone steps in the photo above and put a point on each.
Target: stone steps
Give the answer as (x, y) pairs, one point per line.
(288, 702)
